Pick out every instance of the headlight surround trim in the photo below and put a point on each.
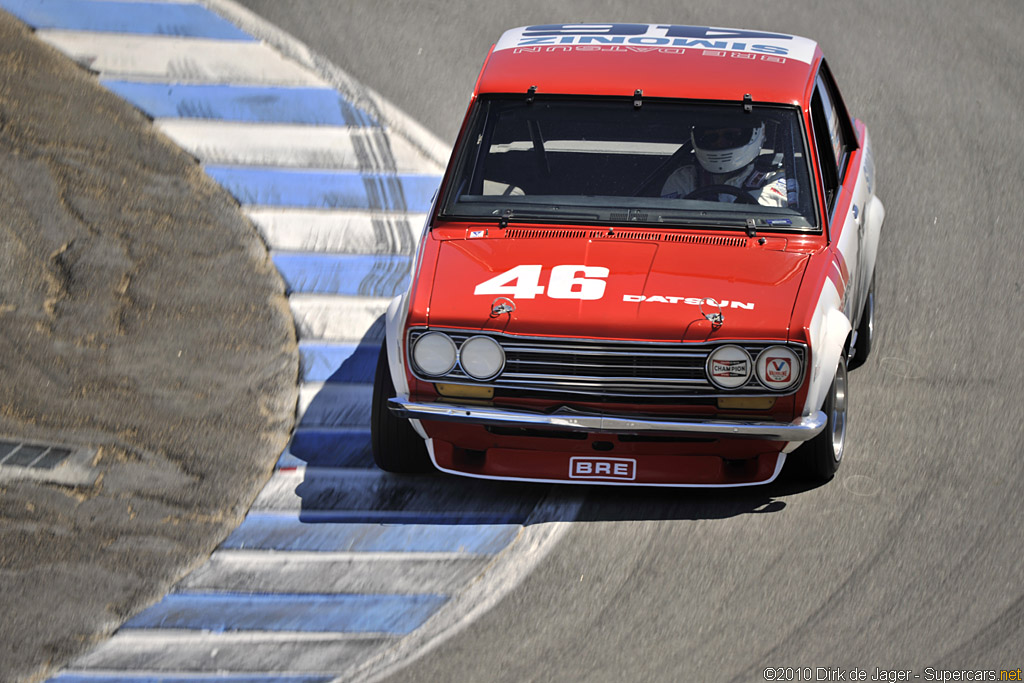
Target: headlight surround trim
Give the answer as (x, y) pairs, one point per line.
(439, 343)
(476, 365)
(778, 368)
(729, 367)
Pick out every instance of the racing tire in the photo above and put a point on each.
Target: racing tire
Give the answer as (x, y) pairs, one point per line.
(865, 330)
(396, 446)
(818, 459)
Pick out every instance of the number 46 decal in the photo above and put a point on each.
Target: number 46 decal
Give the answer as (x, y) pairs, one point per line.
(566, 282)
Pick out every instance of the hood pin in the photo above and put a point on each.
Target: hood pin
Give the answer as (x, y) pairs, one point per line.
(502, 305)
(716, 318)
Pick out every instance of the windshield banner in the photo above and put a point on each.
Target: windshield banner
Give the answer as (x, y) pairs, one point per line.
(634, 36)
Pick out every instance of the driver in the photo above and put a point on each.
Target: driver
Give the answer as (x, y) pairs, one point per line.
(728, 155)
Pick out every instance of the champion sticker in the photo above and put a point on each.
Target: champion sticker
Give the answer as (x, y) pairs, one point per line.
(729, 368)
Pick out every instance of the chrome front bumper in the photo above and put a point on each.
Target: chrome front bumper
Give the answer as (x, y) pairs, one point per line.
(800, 429)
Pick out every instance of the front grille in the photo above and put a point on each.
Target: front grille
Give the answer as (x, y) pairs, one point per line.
(606, 368)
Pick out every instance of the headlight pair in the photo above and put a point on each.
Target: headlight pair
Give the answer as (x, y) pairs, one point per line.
(435, 354)
(730, 367)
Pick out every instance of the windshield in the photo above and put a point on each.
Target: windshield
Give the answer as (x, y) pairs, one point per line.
(665, 162)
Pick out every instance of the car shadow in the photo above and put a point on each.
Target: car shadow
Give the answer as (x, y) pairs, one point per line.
(638, 503)
(342, 484)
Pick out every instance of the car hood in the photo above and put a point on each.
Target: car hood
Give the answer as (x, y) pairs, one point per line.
(653, 289)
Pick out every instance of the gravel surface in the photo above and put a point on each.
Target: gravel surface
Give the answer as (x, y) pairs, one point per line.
(140, 320)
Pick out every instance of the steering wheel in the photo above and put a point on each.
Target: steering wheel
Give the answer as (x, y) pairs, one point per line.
(742, 196)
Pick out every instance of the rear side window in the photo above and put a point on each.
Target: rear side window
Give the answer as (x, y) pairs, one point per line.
(833, 135)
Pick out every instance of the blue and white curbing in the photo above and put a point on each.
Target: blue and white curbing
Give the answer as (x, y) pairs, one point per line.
(338, 572)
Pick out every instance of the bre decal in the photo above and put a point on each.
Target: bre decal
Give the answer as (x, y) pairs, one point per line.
(778, 369)
(623, 469)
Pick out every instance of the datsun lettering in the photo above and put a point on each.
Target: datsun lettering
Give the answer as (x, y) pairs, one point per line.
(651, 261)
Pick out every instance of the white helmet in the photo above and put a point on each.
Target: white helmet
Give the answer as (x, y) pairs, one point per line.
(725, 148)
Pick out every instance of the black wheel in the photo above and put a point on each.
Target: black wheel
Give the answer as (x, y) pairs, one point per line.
(865, 330)
(396, 447)
(819, 458)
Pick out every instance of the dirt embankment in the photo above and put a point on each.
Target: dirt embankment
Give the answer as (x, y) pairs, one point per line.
(140, 317)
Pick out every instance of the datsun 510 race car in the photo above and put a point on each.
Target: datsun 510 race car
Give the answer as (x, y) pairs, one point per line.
(650, 262)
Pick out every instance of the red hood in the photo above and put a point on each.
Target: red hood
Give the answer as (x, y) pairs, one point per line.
(650, 292)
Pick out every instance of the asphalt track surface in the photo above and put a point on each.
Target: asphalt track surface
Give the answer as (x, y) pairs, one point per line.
(912, 556)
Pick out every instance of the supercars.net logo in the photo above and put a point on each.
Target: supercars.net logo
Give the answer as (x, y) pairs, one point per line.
(623, 469)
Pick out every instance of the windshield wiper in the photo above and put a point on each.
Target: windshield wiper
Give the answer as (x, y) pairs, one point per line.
(748, 223)
(505, 216)
(689, 220)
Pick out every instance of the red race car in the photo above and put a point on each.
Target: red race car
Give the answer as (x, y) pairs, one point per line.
(650, 261)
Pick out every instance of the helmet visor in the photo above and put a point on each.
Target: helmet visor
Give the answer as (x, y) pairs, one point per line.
(722, 138)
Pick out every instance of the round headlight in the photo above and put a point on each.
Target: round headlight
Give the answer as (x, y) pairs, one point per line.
(778, 368)
(481, 357)
(434, 354)
(729, 367)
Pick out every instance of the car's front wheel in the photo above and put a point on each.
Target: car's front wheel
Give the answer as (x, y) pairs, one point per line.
(396, 446)
(819, 458)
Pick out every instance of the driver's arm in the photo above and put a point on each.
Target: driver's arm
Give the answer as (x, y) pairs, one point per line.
(681, 183)
(773, 194)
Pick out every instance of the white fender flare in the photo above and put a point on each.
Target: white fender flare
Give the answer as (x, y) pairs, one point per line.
(394, 321)
(872, 233)
(828, 336)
